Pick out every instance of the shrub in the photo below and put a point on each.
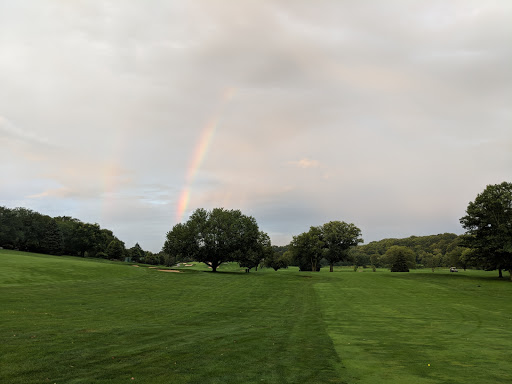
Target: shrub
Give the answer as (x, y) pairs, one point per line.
(400, 258)
(400, 263)
(102, 255)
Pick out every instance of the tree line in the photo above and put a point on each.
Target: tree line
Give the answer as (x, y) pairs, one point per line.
(443, 250)
(221, 235)
(27, 230)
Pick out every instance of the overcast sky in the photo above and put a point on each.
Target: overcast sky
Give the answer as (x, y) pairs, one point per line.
(391, 115)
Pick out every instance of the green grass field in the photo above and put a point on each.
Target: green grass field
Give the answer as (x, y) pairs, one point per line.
(72, 320)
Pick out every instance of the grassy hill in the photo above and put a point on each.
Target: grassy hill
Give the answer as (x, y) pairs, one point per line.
(71, 320)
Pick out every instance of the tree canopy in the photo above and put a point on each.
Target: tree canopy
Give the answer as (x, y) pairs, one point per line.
(441, 246)
(330, 241)
(216, 236)
(27, 230)
(115, 250)
(488, 225)
(307, 249)
(400, 258)
(253, 257)
(338, 238)
(136, 253)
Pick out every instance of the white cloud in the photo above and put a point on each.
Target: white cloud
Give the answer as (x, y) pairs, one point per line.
(305, 163)
(391, 115)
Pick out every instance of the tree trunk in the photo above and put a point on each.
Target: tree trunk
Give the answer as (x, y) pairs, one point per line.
(510, 271)
(212, 265)
(500, 275)
(331, 267)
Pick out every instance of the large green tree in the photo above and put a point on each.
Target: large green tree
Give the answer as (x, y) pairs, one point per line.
(308, 249)
(338, 237)
(331, 241)
(214, 237)
(254, 256)
(277, 260)
(488, 225)
(86, 237)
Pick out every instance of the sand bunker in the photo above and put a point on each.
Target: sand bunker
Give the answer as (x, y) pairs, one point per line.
(169, 270)
(134, 265)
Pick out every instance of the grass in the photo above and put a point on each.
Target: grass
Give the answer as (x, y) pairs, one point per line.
(71, 320)
(420, 327)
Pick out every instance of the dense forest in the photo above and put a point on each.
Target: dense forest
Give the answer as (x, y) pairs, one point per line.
(432, 251)
(26, 230)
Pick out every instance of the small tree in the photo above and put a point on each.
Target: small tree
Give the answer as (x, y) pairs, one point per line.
(400, 258)
(400, 264)
(136, 253)
(465, 257)
(277, 260)
(308, 249)
(115, 250)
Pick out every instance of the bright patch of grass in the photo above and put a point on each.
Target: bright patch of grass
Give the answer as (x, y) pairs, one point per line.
(420, 327)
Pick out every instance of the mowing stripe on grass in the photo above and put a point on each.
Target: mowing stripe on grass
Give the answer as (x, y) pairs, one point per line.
(419, 327)
(109, 325)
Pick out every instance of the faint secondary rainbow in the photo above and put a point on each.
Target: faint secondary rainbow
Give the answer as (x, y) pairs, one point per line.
(200, 151)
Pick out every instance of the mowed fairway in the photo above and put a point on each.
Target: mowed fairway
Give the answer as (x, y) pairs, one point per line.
(71, 320)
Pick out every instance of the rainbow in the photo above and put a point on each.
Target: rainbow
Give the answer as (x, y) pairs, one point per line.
(200, 151)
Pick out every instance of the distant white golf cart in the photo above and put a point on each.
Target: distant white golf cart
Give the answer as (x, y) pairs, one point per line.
(453, 269)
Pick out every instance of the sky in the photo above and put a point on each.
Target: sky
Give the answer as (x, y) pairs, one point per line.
(392, 115)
